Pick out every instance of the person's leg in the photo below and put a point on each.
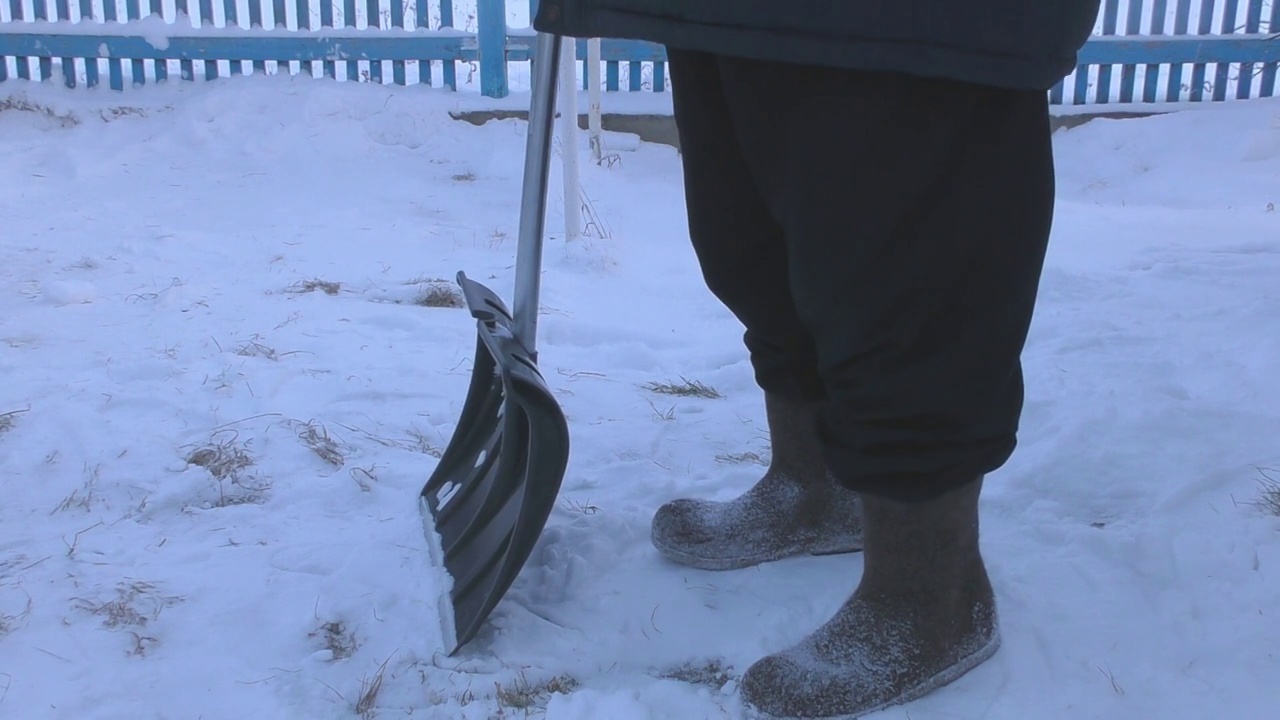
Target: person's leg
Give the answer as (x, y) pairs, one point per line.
(740, 247)
(796, 508)
(916, 214)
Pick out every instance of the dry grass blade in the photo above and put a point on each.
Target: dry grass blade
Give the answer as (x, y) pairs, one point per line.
(256, 348)
(141, 643)
(742, 458)
(316, 437)
(712, 674)
(119, 611)
(684, 388)
(593, 224)
(77, 499)
(226, 460)
(242, 492)
(253, 348)
(21, 104)
(365, 478)
(668, 414)
(9, 622)
(338, 640)
(1111, 677)
(416, 442)
(328, 287)
(439, 294)
(423, 445)
(369, 689)
(8, 564)
(116, 113)
(1269, 495)
(223, 459)
(580, 507)
(522, 695)
(123, 610)
(7, 419)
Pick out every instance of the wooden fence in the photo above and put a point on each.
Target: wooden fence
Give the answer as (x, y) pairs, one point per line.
(1143, 51)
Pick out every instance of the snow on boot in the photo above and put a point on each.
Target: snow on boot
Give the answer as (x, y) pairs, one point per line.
(795, 509)
(923, 615)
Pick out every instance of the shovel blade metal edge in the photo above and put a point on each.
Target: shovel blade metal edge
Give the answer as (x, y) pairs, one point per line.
(497, 481)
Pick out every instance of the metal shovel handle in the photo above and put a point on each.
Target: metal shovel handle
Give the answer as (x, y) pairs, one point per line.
(533, 199)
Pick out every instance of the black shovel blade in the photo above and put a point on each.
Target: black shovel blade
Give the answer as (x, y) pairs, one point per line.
(497, 482)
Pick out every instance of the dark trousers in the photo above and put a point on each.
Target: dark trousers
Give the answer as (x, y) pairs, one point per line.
(881, 238)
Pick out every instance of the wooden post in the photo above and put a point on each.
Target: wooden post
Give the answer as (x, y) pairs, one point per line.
(594, 133)
(569, 140)
(491, 36)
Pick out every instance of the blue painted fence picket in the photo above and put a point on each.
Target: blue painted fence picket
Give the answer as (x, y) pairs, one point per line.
(123, 38)
(1144, 51)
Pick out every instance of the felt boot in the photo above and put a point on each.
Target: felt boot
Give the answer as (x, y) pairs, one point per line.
(923, 615)
(797, 508)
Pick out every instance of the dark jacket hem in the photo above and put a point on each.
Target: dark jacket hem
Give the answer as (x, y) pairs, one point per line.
(921, 59)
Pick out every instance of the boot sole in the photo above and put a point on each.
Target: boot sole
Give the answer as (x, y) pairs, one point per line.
(845, 545)
(926, 686)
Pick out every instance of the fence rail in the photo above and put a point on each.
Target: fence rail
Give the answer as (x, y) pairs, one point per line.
(1142, 51)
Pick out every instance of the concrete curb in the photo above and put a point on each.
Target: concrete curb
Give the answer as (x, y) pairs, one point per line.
(661, 128)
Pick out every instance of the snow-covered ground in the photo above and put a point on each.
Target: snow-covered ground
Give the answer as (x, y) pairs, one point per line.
(221, 397)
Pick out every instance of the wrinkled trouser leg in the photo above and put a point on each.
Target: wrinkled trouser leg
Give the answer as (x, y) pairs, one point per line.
(741, 248)
(910, 218)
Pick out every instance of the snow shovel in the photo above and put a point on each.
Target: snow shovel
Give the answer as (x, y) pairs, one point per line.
(488, 500)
